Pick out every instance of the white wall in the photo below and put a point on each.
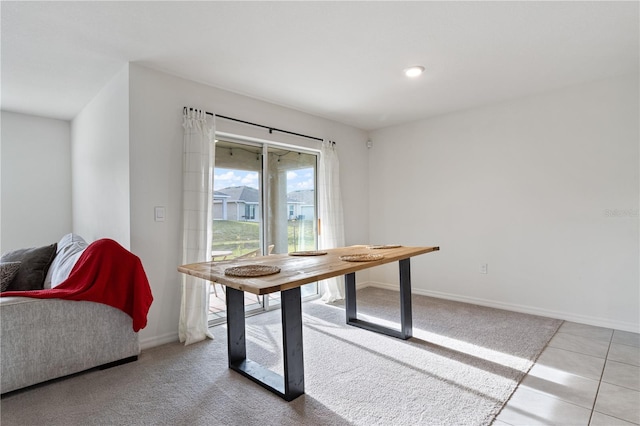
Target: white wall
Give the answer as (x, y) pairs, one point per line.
(36, 181)
(543, 189)
(100, 164)
(156, 173)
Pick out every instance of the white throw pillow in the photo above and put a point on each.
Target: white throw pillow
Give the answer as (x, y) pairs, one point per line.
(70, 248)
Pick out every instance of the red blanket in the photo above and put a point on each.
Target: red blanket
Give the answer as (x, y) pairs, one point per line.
(105, 273)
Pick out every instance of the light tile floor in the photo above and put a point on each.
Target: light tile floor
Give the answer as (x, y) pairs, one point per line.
(586, 376)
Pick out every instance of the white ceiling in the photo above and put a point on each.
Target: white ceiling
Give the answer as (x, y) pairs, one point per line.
(339, 60)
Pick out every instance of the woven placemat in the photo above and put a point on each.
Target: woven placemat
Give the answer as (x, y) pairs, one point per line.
(251, 271)
(361, 257)
(308, 253)
(385, 246)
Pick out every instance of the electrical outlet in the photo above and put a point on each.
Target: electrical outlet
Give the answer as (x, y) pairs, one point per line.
(484, 268)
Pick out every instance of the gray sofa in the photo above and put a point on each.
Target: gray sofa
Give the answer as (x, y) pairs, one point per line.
(43, 339)
(47, 338)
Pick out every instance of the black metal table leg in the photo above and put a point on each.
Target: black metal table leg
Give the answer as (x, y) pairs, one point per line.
(291, 385)
(350, 297)
(236, 343)
(406, 322)
(291, 306)
(406, 315)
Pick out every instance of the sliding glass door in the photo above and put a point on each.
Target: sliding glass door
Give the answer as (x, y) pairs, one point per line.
(264, 203)
(291, 215)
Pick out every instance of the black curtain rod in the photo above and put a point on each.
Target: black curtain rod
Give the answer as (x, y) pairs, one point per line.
(271, 129)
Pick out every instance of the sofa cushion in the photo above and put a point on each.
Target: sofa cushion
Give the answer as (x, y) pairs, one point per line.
(8, 271)
(33, 268)
(70, 247)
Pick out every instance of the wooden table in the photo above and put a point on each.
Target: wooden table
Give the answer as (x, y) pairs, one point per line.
(296, 271)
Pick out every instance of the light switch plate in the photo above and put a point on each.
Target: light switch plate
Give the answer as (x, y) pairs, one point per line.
(159, 214)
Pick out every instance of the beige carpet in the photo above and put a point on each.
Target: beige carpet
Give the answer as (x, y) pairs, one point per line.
(459, 369)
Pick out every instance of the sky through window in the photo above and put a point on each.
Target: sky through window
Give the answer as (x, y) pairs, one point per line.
(296, 179)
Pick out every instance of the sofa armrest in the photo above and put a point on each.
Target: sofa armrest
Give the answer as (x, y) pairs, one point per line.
(43, 339)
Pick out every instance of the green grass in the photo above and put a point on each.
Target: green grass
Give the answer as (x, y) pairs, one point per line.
(233, 231)
(293, 232)
(243, 237)
(239, 237)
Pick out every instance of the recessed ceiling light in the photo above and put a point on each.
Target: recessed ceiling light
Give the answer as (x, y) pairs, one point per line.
(414, 71)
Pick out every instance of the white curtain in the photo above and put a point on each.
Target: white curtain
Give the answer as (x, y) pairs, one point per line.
(331, 221)
(197, 175)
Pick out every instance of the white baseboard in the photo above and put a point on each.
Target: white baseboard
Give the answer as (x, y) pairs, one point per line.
(154, 341)
(567, 316)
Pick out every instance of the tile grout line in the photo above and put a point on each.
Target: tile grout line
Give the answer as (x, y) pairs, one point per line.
(582, 353)
(628, 346)
(604, 366)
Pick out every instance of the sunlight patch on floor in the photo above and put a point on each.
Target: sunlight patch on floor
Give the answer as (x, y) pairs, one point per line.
(507, 360)
(487, 354)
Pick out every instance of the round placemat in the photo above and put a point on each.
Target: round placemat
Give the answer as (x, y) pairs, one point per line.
(361, 257)
(385, 246)
(308, 253)
(251, 271)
